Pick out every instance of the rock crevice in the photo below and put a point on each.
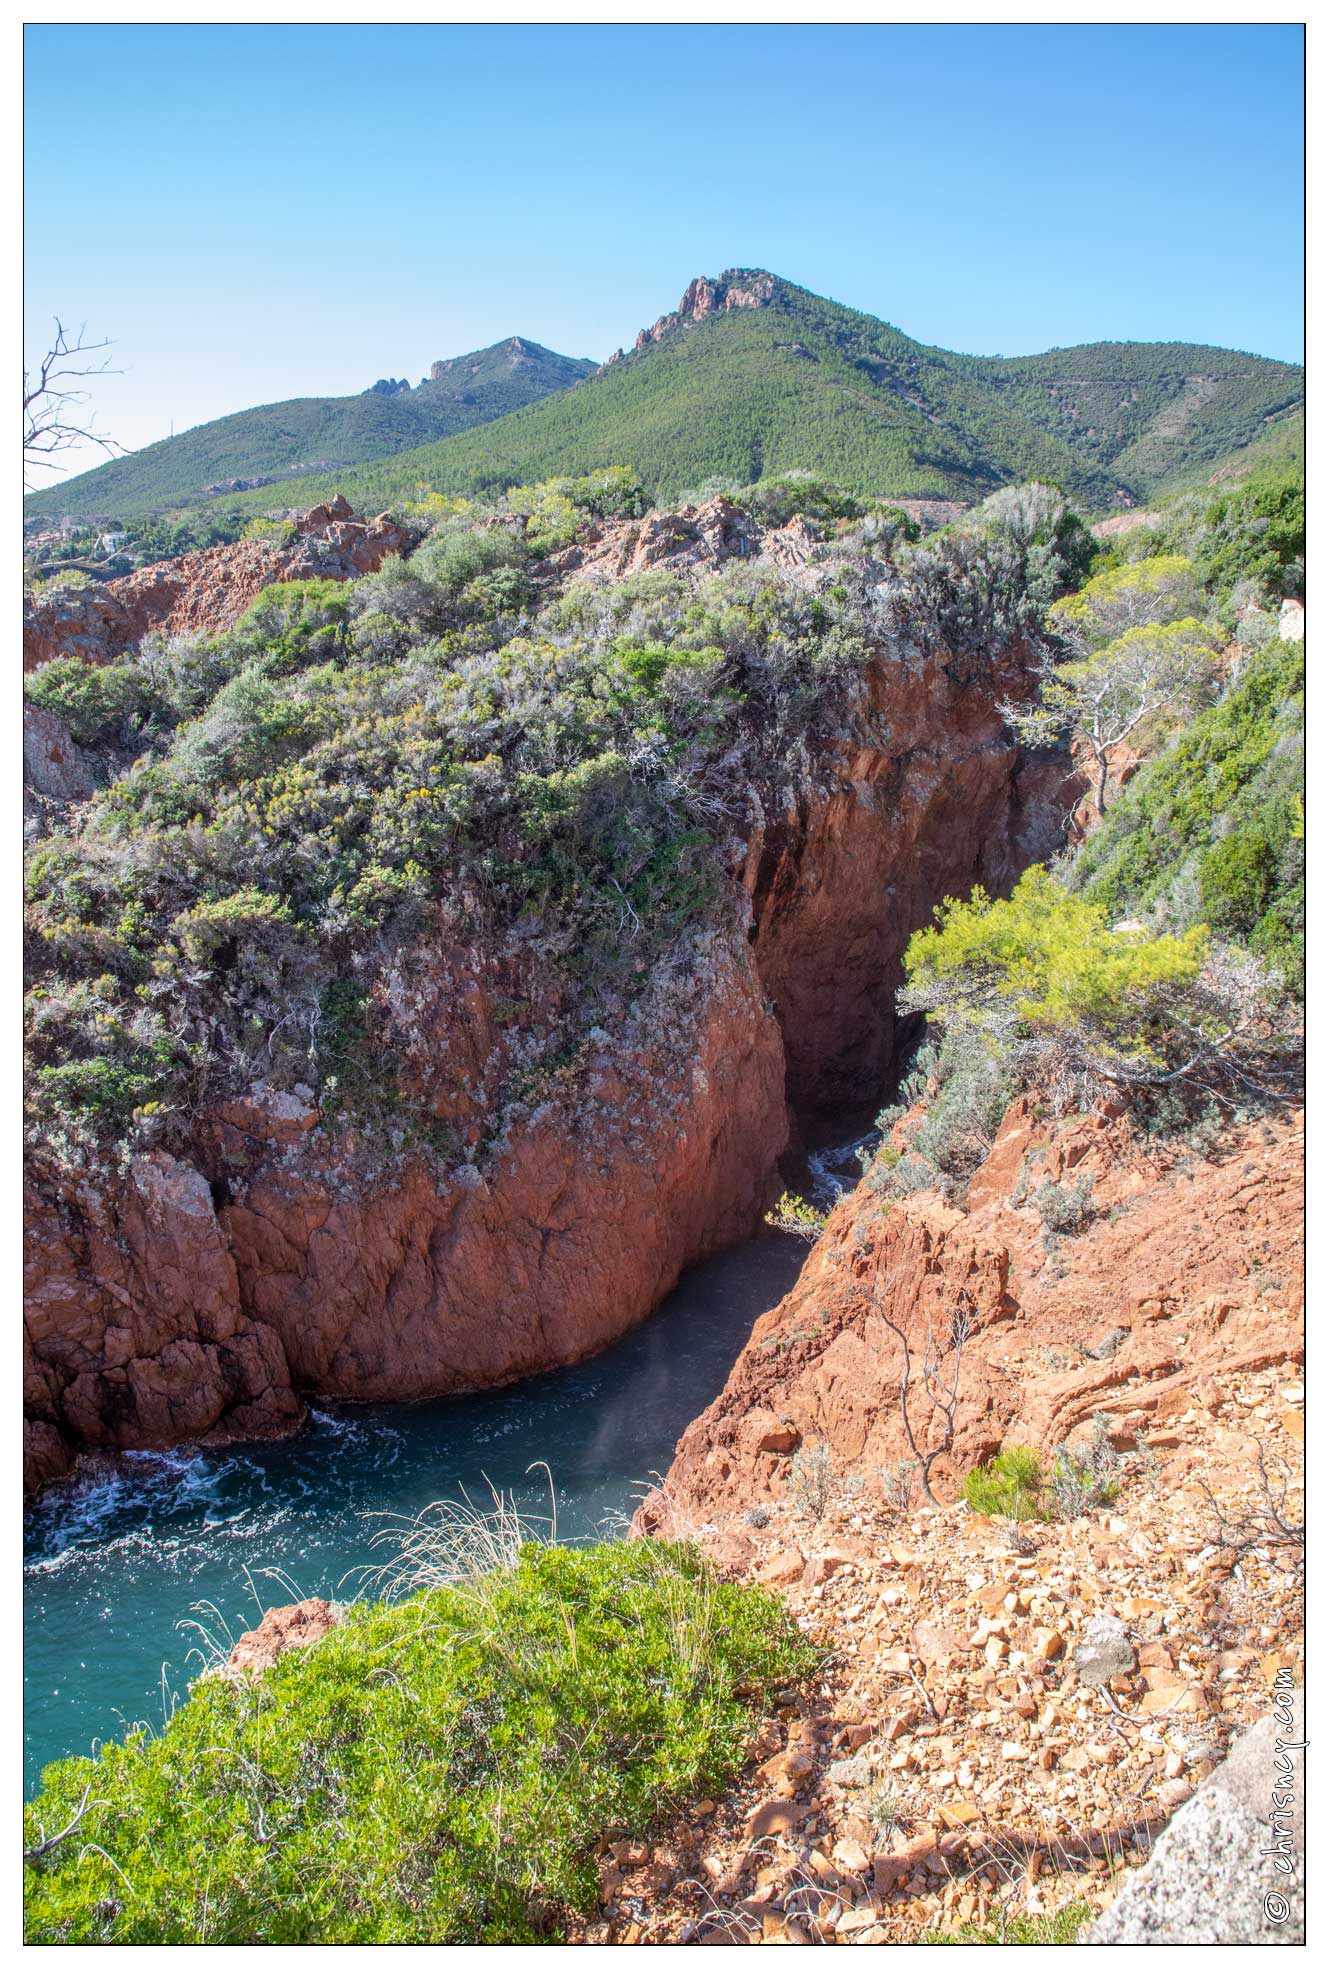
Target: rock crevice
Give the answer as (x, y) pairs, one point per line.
(207, 1296)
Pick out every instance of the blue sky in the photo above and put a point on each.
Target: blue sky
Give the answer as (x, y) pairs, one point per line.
(254, 213)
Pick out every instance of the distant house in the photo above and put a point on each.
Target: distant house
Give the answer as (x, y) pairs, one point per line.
(108, 542)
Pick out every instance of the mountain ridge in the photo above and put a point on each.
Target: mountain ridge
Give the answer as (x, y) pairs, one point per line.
(270, 442)
(752, 374)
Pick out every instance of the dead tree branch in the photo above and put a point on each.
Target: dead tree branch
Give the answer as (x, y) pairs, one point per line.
(942, 1390)
(1264, 1526)
(50, 398)
(45, 1845)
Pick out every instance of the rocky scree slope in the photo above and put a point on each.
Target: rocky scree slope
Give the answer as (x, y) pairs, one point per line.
(272, 1247)
(1009, 1714)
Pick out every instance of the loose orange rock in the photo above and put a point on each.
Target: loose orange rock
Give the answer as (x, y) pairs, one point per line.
(775, 1815)
(298, 1626)
(782, 1570)
(849, 1855)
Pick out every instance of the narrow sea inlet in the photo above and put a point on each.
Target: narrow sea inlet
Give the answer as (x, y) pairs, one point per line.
(118, 1563)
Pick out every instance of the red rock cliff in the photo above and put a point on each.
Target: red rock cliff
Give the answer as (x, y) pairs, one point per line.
(1190, 1264)
(205, 1298)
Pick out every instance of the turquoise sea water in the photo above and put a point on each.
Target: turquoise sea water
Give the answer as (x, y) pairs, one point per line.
(116, 1561)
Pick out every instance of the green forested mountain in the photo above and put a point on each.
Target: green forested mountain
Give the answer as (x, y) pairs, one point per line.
(1279, 449)
(763, 377)
(1148, 413)
(754, 375)
(307, 434)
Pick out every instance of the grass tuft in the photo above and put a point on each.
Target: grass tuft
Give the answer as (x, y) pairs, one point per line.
(1007, 1487)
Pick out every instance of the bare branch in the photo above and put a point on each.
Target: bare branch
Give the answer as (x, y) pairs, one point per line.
(49, 427)
(944, 1397)
(1265, 1525)
(45, 1845)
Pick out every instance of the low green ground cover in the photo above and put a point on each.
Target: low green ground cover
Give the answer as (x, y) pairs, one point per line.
(439, 1769)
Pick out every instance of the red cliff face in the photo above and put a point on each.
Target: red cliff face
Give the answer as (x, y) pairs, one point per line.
(838, 889)
(133, 1329)
(157, 1315)
(206, 1297)
(1188, 1266)
(204, 591)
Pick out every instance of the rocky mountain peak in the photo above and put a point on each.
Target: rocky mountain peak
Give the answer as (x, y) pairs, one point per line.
(738, 287)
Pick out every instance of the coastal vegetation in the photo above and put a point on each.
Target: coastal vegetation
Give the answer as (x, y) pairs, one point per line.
(459, 743)
(439, 1768)
(1159, 960)
(452, 747)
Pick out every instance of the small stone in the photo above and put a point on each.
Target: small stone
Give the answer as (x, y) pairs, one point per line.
(1104, 1651)
(933, 1643)
(849, 1773)
(783, 1569)
(889, 1868)
(788, 1769)
(823, 1565)
(855, 1920)
(849, 1856)
(775, 1815)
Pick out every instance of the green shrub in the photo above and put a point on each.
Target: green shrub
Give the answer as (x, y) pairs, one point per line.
(1085, 1475)
(280, 532)
(453, 557)
(775, 501)
(798, 1217)
(248, 915)
(1065, 1207)
(974, 1089)
(1050, 958)
(297, 623)
(439, 1770)
(892, 1175)
(93, 700)
(1213, 830)
(811, 1478)
(1146, 593)
(1010, 1486)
